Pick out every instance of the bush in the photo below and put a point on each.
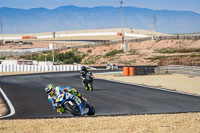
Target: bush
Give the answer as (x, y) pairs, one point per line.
(186, 50)
(66, 58)
(3, 58)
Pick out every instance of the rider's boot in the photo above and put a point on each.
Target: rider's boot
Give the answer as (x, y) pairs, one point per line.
(86, 88)
(61, 110)
(90, 87)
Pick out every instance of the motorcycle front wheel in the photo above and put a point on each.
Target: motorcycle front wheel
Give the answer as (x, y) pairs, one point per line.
(72, 108)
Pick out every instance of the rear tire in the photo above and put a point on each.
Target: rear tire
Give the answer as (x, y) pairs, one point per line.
(90, 86)
(91, 109)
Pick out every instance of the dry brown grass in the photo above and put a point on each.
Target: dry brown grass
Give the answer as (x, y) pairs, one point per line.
(173, 123)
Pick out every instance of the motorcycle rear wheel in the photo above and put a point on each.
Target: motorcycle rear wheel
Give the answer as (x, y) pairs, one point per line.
(91, 109)
(90, 87)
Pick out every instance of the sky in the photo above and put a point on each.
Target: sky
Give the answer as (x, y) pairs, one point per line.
(181, 5)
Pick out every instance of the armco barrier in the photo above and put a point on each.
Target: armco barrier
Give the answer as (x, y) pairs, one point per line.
(38, 68)
(179, 69)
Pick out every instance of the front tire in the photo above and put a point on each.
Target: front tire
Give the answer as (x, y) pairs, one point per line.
(73, 109)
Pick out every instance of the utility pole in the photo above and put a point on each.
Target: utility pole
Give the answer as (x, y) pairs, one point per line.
(125, 46)
(1, 25)
(54, 34)
(122, 20)
(155, 22)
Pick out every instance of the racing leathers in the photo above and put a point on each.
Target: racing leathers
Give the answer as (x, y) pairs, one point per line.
(83, 77)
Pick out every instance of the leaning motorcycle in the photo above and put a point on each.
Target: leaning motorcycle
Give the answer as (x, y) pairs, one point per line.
(74, 104)
(88, 81)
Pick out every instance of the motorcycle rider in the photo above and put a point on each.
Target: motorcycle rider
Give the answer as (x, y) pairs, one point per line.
(53, 92)
(83, 74)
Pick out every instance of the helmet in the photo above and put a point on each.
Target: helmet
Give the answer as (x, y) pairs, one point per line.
(49, 89)
(83, 68)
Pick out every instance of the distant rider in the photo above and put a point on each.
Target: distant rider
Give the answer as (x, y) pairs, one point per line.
(83, 74)
(53, 92)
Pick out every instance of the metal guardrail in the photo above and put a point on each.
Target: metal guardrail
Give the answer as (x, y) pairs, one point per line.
(178, 69)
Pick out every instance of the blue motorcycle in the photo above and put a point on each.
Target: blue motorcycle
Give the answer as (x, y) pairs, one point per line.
(74, 104)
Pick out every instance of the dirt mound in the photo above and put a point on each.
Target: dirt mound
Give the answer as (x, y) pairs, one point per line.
(141, 53)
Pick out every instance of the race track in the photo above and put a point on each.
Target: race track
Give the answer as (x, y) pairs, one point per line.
(26, 93)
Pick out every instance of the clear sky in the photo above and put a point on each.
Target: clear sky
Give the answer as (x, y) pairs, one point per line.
(186, 5)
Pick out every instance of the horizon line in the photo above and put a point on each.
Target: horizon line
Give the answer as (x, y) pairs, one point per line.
(101, 6)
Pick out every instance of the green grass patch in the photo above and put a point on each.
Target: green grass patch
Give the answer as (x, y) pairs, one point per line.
(3, 58)
(188, 50)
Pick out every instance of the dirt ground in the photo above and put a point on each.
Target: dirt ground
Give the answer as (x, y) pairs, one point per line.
(140, 53)
(155, 123)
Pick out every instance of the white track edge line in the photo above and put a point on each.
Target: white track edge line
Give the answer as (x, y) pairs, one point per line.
(12, 109)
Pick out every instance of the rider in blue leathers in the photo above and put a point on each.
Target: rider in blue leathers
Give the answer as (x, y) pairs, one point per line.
(53, 92)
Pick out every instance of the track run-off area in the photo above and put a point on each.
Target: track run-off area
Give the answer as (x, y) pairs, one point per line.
(25, 97)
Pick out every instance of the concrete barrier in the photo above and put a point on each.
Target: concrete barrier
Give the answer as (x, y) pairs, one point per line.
(38, 68)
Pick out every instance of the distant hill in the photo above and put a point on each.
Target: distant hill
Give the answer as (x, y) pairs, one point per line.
(80, 18)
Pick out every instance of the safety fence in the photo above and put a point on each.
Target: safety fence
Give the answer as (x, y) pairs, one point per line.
(158, 38)
(178, 69)
(38, 68)
(186, 61)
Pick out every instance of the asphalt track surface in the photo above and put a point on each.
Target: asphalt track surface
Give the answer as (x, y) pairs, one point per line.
(26, 93)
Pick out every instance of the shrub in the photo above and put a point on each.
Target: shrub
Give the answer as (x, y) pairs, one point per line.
(185, 50)
(66, 58)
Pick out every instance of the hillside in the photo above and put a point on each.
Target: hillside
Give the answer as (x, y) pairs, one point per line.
(141, 53)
